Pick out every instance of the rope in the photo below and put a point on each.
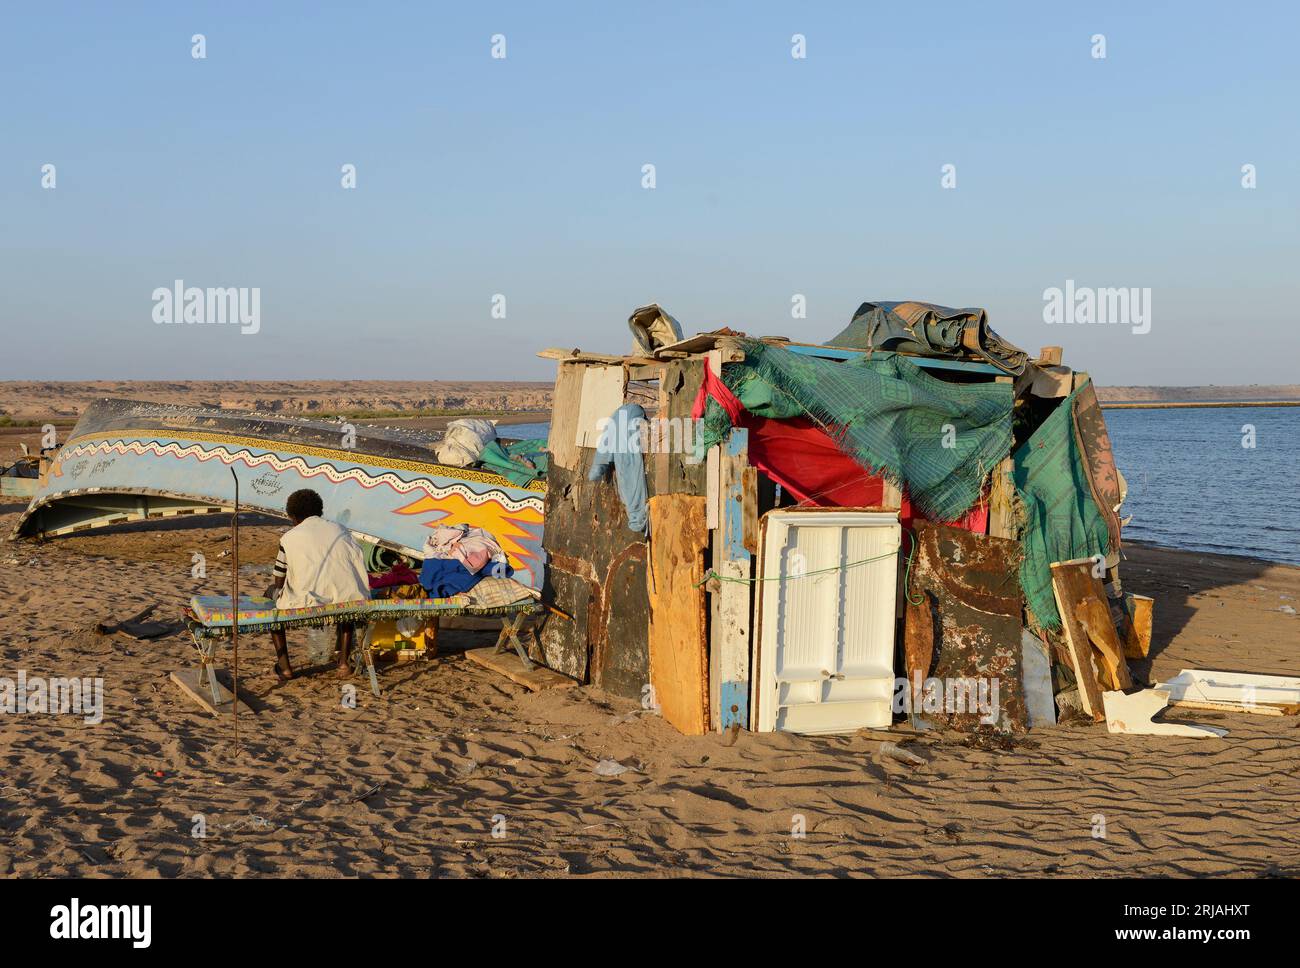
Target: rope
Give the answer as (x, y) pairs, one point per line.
(907, 575)
(823, 571)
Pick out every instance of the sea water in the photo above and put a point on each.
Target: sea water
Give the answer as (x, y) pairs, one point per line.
(1191, 482)
(1220, 479)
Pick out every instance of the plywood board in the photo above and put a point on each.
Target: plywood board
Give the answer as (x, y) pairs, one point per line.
(564, 416)
(602, 394)
(509, 665)
(679, 659)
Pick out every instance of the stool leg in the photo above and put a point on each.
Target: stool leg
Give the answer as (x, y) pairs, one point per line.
(207, 653)
(369, 656)
(513, 631)
(502, 637)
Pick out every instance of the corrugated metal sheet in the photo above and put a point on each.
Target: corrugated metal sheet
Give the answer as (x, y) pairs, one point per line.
(828, 592)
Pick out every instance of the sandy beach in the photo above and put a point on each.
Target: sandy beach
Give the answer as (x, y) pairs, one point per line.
(414, 783)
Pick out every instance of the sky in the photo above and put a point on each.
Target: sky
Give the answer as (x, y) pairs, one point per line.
(516, 187)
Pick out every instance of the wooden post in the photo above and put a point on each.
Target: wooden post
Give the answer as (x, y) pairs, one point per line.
(1002, 508)
(1002, 513)
(730, 633)
(679, 661)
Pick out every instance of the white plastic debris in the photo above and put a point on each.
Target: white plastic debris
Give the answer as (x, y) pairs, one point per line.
(900, 754)
(609, 767)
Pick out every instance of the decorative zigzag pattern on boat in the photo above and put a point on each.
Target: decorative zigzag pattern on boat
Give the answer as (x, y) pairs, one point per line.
(297, 464)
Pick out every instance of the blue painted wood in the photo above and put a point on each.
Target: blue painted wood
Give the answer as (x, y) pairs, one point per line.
(734, 700)
(733, 519)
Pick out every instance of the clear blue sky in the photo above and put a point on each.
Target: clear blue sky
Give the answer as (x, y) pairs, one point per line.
(522, 176)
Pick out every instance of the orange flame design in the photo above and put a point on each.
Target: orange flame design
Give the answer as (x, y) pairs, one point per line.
(508, 527)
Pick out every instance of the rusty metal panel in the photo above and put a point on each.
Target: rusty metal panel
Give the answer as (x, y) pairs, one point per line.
(972, 586)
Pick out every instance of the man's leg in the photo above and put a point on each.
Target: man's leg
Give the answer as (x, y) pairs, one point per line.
(345, 651)
(283, 670)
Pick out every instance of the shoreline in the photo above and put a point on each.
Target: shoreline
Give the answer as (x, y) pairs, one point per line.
(1172, 404)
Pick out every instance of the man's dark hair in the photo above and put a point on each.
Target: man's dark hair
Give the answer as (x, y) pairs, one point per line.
(304, 504)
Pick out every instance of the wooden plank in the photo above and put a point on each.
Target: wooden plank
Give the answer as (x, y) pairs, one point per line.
(729, 633)
(564, 416)
(712, 488)
(1259, 709)
(1073, 582)
(188, 680)
(1139, 615)
(713, 461)
(699, 343)
(1049, 356)
(658, 458)
(749, 508)
(509, 665)
(1094, 616)
(891, 496)
(563, 355)
(1002, 514)
(679, 657)
(602, 394)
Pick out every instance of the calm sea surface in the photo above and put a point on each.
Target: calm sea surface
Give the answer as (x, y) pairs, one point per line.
(1191, 483)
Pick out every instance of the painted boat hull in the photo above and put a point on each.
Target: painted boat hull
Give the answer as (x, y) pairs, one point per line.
(131, 461)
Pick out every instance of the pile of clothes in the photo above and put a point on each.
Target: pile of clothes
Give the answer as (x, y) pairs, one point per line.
(473, 442)
(457, 558)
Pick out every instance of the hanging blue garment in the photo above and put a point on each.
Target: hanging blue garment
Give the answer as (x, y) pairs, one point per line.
(620, 445)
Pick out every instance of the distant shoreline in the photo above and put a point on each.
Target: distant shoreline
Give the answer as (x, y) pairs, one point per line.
(1170, 404)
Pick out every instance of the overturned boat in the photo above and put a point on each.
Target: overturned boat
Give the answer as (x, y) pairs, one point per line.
(134, 461)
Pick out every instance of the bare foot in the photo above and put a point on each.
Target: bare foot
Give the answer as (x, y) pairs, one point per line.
(283, 674)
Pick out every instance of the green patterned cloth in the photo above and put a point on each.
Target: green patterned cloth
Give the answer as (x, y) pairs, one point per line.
(937, 439)
(1061, 520)
(521, 462)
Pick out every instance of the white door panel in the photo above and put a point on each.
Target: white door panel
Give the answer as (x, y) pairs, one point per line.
(825, 650)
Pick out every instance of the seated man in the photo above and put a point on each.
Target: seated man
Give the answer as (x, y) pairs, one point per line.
(319, 564)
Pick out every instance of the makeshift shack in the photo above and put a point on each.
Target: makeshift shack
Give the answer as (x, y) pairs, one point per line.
(770, 534)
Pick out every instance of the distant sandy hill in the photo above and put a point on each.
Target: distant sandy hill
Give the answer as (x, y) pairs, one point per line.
(26, 400)
(1209, 394)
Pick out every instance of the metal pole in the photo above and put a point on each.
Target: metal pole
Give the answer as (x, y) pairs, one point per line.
(234, 600)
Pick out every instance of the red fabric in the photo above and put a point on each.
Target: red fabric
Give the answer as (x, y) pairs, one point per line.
(712, 386)
(399, 574)
(804, 460)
